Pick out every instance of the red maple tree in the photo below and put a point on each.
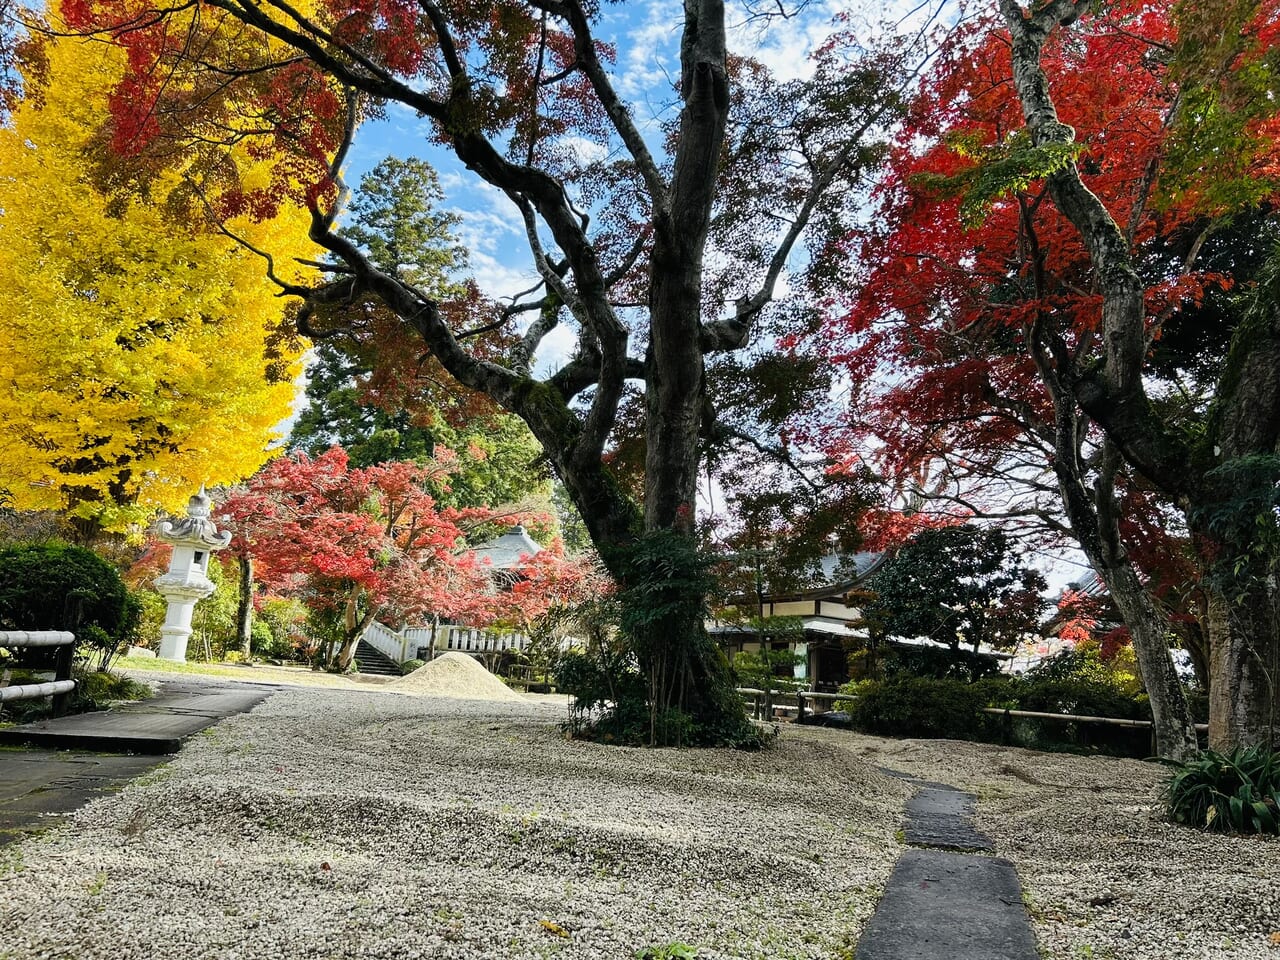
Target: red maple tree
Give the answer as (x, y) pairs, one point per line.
(978, 307)
(362, 544)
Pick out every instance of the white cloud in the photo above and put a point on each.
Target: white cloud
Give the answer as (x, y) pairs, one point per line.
(555, 350)
(784, 46)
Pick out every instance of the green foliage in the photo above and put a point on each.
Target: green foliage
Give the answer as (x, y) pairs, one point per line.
(668, 951)
(936, 662)
(954, 584)
(61, 587)
(214, 629)
(609, 695)
(663, 609)
(1084, 664)
(1243, 520)
(770, 670)
(1238, 792)
(1000, 169)
(101, 688)
(651, 674)
(395, 217)
(284, 619)
(921, 707)
(1227, 82)
(95, 690)
(909, 706)
(409, 666)
(1080, 697)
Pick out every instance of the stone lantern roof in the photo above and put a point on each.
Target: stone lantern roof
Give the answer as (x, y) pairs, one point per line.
(195, 529)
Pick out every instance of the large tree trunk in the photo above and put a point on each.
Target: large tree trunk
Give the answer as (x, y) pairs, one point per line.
(1095, 524)
(690, 674)
(1246, 669)
(1174, 726)
(354, 624)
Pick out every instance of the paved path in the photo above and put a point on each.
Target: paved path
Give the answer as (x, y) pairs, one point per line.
(38, 787)
(942, 904)
(56, 773)
(156, 726)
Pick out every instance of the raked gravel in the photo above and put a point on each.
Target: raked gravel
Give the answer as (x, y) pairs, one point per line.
(333, 823)
(1105, 876)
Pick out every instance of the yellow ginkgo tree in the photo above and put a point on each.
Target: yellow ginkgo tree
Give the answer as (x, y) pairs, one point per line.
(142, 350)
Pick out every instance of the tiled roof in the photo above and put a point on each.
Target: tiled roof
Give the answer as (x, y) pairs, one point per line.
(506, 551)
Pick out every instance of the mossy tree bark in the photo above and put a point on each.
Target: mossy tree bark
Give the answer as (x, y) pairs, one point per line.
(244, 607)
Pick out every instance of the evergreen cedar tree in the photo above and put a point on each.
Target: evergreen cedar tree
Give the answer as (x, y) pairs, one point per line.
(359, 544)
(1070, 319)
(379, 411)
(514, 89)
(141, 356)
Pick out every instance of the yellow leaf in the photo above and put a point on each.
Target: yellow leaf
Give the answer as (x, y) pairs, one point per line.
(554, 928)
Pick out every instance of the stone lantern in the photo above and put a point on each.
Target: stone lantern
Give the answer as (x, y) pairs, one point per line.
(194, 538)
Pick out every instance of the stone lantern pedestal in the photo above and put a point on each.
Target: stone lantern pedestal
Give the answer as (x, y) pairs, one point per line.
(195, 538)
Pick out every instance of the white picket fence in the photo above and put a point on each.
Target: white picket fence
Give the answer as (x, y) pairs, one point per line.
(404, 645)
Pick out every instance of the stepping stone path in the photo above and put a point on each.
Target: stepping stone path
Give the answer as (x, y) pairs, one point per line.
(940, 904)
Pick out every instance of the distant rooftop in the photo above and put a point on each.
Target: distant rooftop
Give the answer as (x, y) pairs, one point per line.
(848, 568)
(506, 551)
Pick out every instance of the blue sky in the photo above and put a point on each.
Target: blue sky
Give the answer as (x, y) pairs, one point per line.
(646, 35)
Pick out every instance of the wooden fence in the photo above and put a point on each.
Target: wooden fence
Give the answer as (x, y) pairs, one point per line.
(787, 704)
(1009, 716)
(61, 686)
(795, 705)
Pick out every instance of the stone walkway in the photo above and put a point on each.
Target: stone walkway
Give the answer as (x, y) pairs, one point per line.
(155, 726)
(940, 903)
(38, 787)
(57, 774)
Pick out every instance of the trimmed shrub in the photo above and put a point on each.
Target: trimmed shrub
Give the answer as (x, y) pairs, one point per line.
(921, 707)
(1238, 792)
(937, 662)
(61, 587)
(907, 706)
(1079, 697)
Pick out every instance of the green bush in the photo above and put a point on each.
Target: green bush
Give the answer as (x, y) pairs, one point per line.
(909, 706)
(61, 587)
(1080, 697)
(1238, 792)
(936, 662)
(94, 690)
(409, 666)
(282, 619)
(101, 688)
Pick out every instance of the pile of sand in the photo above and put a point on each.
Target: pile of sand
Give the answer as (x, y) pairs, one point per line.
(454, 675)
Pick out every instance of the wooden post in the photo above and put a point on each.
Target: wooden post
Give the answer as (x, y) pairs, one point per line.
(799, 706)
(62, 671)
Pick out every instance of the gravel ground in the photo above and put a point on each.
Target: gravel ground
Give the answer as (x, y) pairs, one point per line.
(147, 669)
(1104, 876)
(333, 823)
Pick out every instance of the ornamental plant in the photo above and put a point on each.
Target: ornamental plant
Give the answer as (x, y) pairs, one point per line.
(1235, 792)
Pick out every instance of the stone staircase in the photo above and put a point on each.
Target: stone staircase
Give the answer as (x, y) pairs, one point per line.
(372, 660)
